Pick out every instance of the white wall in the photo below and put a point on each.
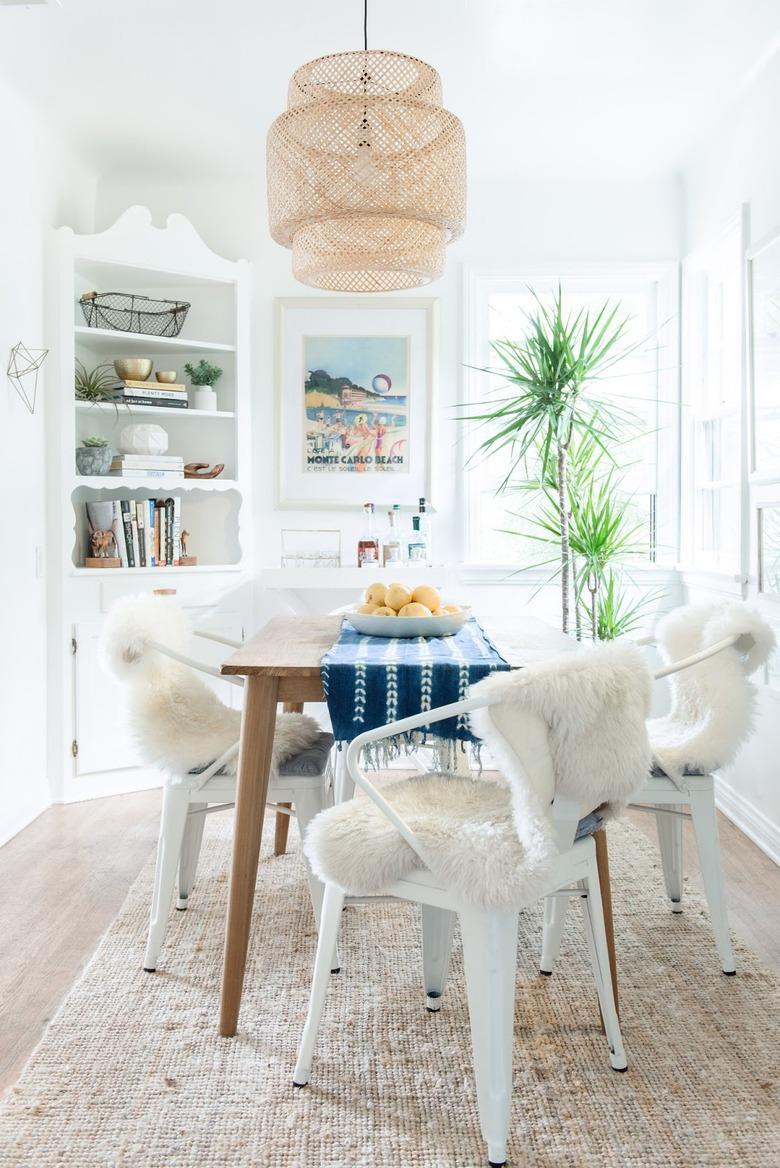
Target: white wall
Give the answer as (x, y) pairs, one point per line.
(739, 162)
(41, 185)
(508, 221)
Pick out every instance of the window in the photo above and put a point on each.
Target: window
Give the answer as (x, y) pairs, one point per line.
(712, 402)
(645, 382)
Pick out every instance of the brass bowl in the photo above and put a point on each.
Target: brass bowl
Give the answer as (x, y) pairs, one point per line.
(133, 368)
(167, 377)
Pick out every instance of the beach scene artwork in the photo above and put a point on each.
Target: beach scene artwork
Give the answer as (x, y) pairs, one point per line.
(356, 395)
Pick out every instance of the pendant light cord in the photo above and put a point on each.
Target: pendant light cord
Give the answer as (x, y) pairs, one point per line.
(365, 26)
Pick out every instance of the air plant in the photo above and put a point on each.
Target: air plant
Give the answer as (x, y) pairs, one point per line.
(94, 385)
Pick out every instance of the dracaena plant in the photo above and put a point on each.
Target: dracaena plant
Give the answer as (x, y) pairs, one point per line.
(549, 398)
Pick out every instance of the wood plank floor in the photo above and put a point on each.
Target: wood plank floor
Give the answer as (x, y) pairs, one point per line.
(65, 876)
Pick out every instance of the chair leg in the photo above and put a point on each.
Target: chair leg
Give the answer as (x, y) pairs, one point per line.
(309, 803)
(601, 963)
(605, 896)
(174, 818)
(670, 843)
(437, 925)
(332, 905)
(555, 908)
(343, 786)
(489, 956)
(190, 852)
(705, 826)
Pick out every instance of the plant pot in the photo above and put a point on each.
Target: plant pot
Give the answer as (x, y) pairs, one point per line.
(93, 460)
(204, 398)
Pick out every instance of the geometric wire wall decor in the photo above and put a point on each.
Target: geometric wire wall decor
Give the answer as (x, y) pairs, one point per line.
(24, 366)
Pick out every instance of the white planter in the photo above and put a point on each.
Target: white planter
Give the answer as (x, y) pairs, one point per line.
(204, 398)
(143, 438)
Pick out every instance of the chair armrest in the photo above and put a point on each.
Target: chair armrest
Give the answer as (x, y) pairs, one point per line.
(218, 639)
(695, 658)
(358, 776)
(192, 663)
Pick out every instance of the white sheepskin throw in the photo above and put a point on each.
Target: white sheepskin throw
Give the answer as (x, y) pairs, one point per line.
(712, 703)
(574, 725)
(178, 723)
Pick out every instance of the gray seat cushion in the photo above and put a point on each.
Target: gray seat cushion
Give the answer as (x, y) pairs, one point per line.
(657, 771)
(588, 824)
(312, 761)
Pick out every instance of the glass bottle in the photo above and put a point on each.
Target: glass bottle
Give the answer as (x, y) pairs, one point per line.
(418, 545)
(425, 530)
(368, 544)
(392, 545)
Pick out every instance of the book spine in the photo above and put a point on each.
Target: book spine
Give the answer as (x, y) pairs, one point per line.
(136, 473)
(135, 400)
(151, 386)
(169, 508)
(177, 531)
(118, 528)
(140, 517)
(158, 547)
(134, 529)
(151, 561)
(147, 390)
(128, 530)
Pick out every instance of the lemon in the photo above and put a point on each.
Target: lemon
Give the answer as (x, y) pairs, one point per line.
(415, 609)
(397, 596)
(428, 596)
(375, 594)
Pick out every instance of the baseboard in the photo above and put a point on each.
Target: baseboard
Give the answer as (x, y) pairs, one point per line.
(753, 823)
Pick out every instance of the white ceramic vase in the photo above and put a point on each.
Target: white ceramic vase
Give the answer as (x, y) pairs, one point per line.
(204, 398)
(143, 438)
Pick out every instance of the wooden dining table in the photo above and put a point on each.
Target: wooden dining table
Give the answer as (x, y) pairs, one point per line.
(282, 664)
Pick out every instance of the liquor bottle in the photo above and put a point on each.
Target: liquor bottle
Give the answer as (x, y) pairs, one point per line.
(425, 529)
(418, 544)
(368, 544)
(392, 545)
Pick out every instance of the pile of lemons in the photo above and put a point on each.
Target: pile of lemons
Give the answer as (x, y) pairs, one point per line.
(398, 600)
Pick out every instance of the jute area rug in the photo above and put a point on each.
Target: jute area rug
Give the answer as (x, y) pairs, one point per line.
(133, 1073)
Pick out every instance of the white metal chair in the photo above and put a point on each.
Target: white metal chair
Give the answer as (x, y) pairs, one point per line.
(665, 795)
(489, 941)
(175, 716)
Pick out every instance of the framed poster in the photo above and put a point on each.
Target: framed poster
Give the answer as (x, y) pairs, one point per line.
(764, 278)
(355, 390)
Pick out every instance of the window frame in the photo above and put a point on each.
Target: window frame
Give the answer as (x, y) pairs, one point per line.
(614, 278)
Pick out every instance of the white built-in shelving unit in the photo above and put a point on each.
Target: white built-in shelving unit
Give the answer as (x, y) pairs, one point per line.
(170, 262)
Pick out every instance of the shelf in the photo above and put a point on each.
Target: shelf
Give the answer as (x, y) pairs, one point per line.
(110, 341)
(112, 482)
(350, 576)
(112, 573)
(162, 411)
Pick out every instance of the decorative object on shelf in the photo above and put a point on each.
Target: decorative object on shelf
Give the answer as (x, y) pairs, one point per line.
(102, 536)
(186, 560)
(143, 438)
(103, 544)
(94, 456)
(133, 368)
(147, 393)
(204, 377)
(764, 342)
(93, 385)
(166, 377)
(303, 548)
(202, 470)
(366, 172)
(127, 313)
(364, 370)
(24, 367)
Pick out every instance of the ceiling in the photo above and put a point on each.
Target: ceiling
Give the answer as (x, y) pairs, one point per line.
(554, 88)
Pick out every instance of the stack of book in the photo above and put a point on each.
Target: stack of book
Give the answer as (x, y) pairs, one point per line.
(147, 466)
(150, 393)
(147, 531)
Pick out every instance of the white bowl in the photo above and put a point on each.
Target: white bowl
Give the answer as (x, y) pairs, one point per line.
(407, 626)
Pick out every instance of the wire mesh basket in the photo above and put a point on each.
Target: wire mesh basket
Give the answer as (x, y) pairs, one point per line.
(127, 313)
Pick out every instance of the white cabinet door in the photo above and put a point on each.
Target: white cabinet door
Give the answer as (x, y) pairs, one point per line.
(100, 703)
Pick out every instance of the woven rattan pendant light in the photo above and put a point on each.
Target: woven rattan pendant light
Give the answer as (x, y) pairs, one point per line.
(366, 172)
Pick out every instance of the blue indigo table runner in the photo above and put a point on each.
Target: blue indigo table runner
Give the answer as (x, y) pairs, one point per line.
(370, 681)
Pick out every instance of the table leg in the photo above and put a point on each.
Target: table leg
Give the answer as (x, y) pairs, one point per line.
(282, 820)
(254, 760)
(602, 863)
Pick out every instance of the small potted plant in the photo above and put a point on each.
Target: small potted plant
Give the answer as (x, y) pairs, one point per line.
(94, 456)
(204, 377)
